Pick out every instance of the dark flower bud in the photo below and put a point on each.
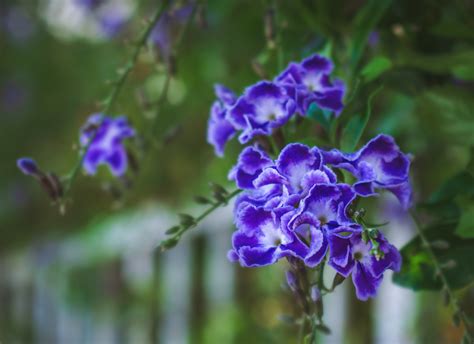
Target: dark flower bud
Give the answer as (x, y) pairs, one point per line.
(52, 185)
(29, 167)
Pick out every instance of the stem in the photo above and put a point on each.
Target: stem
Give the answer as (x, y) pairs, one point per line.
(184, 228)
(439, 270)
(164, 91)
(112, 97)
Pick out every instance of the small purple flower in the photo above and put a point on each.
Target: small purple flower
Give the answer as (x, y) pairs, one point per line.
(263, 238)
(107, 147)
(29, 167)
(309, 82)
(263, 107)
(378, 165)
(349, 253)
(219, 129)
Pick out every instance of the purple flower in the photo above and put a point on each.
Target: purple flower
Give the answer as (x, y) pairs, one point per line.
(107, 147)
(219, 129)
(349, 253)
(263, 238)
(309, 82)
(263, 107)
(326, 203)
(29, 167)
(298, 167)
(378, 165)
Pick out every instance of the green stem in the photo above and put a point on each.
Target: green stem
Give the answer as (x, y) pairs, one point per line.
(110, 100)
(177, 236)
(164, 91)
(439, 270)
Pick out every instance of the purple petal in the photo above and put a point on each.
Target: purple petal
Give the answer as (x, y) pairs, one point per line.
(365, 284)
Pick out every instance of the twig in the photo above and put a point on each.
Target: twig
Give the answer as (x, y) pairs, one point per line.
(439, 271)
(169, 72)
(110, 100)
(174, 239)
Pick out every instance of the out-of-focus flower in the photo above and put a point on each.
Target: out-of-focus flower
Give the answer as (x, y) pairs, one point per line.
(168, 26)
(17, 24)
(89, 19)
(107, 146)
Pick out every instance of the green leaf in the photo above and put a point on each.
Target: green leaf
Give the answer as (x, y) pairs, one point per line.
(365, 21)
(449, 113)
(465, 227)
(376, 67)
(418, 271)
(459, 64)
(319, 115)
(460, 184)
(355, 127)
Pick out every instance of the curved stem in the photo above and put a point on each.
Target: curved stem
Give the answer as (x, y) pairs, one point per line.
(112, 97)
(439, 271)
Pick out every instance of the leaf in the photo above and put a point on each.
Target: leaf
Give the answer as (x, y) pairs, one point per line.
(459, 64)
(365, 21)
(449, 113)
(376, 67)
(418, 271)
(319, 115)
(465, 227)
(355, 127)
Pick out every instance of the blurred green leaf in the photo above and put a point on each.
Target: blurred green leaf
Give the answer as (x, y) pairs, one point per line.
(319, 115)
(465, 227)
(459, 64)
(418, 271)
(365, 21)
(354, 129)
(448, 112)
(376, 67)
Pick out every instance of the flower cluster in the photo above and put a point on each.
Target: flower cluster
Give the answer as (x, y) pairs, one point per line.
(107, 146)
(268, 105)
(295, 206)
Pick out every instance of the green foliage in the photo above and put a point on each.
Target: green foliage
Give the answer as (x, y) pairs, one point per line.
(418, 271)
(364, 23)
(450, 111)
(459, 64)
(375, 68)
(355, 127)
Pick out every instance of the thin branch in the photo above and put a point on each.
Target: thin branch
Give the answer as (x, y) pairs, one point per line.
(439, 271)
(112, 97)
(169, 72)
(173, 239)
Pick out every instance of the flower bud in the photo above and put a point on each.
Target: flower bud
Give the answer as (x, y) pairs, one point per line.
(29, 167)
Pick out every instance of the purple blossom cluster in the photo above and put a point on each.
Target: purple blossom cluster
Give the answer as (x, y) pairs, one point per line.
(268, 105)
(295, 207)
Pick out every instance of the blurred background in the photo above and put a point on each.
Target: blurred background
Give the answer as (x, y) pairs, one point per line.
(92, 274)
